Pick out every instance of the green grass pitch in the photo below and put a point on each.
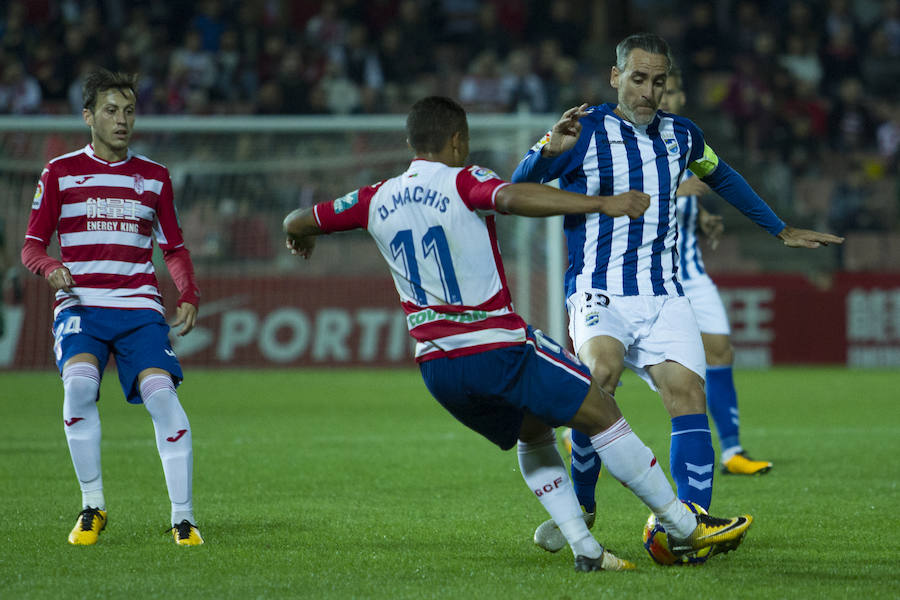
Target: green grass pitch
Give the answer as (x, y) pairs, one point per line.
(356, 484)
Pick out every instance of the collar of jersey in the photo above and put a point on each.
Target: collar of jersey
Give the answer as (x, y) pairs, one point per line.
(89, 150)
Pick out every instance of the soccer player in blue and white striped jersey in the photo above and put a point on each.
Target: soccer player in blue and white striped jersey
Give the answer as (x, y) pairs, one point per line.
(626, 303)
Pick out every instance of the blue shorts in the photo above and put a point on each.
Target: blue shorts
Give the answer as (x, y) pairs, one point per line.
(139, 339)
(491, 391)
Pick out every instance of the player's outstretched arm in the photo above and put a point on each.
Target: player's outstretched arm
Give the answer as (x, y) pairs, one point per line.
(301, 229)
(729, 184)
(537, 200)
(806, 238)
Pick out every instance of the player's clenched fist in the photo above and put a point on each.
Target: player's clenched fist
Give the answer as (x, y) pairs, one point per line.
(61, 279)
(631, 203)
(300, 245)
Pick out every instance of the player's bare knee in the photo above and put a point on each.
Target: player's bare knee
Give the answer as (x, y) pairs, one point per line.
(718, 350)
(682, 391)
(603, 373)
(684, 399)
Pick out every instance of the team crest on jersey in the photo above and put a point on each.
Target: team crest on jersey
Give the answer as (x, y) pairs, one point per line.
(38, 196)
(672, 145)
(541, 142)
(344, 202)
(482, 174)
(139, 184)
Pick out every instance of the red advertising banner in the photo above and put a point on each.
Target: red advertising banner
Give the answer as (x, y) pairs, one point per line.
(275, 321)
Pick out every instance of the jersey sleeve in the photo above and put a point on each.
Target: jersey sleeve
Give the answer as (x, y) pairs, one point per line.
(45, 208)
(167, 229)
(729, 184)
(178, 261)
(701, 159)
(706, 164)
(42, 222)
(535, 168)
(347, 212)
(478, 187)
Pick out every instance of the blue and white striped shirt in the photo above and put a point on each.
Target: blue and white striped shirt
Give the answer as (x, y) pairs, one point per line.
(621, 255)
(624, 256)
(690, 259)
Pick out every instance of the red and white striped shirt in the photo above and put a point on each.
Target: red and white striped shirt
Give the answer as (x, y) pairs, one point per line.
(434, 225)
(106, 216)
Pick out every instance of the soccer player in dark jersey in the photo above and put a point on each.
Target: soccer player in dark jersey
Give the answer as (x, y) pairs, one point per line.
(107, 205)
(626, 304)
(434, 226)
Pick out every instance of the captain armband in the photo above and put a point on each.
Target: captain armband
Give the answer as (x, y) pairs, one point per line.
(706, 164)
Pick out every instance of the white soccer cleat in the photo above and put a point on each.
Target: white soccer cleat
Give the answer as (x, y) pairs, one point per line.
(550, 538)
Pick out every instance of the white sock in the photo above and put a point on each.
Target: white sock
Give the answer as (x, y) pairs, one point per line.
(677, 519)
(81, 382)
(173, 441)
(545, 473)
(728, 453)
(634, 465)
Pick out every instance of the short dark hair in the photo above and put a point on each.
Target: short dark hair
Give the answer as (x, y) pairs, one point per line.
(648, 42)
(432, 121)
(99, 80)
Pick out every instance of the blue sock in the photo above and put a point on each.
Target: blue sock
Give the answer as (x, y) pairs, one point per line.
(691, 458)
(721, 398)
(585, 470)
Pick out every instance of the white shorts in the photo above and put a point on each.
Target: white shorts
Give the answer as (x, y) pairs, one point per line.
(653, 329)
(707, 305)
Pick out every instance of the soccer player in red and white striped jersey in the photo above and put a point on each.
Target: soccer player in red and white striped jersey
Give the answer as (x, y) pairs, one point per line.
(434, 226)
(107, 205)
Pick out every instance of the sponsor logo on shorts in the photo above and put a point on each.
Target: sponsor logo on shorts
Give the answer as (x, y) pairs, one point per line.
(170, 352)
(544, 342)
(72, 421)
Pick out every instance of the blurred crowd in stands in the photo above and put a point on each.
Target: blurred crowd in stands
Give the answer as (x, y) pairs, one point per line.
(803, 95)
